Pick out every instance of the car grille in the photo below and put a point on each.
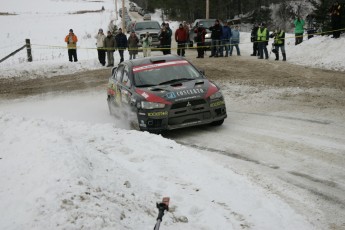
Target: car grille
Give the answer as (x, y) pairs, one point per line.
(189, 111)
(186, 104)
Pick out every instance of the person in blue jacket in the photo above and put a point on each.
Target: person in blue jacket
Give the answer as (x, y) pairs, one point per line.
(226, 35)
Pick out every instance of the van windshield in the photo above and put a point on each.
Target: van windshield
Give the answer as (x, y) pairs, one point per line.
(208, 23)
(147, 25)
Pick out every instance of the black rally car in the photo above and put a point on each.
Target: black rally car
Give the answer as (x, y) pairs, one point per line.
(164, 93)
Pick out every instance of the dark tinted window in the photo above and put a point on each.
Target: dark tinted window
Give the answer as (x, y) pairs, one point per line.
(147, 25)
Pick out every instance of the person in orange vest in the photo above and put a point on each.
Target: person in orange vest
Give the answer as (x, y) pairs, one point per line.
(71, 40)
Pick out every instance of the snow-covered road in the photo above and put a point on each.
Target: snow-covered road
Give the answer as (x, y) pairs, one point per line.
(290, 150)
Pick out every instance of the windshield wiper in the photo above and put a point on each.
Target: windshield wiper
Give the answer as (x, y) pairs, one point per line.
(176, 80)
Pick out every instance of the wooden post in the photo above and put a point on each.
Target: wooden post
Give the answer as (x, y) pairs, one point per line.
(28, 49)
(123, 17)
(207, 9)
(116, 12)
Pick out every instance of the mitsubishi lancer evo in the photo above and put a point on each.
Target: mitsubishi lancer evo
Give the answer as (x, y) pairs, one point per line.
(164, 93)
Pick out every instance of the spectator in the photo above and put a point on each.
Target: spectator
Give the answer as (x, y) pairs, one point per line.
(181, 39)
(216, 33)
(164, 40)
(235, 41)
(186, 27)
(335, 12)
(121, 43)
(253, 39)
(311, 25)
(100, 46)
(279, 42)
(71, 40)
(169, 33)
(200, 40)
(147, 42)
(299, 30)
(262, 38)
(109, 44)
(225, 39)
(132, 42)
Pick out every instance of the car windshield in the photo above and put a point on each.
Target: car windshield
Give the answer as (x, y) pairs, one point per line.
(147, 25)
(165, 73)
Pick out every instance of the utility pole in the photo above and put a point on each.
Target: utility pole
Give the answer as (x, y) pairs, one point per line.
(116, 11)
(207, 9)
(123, 17)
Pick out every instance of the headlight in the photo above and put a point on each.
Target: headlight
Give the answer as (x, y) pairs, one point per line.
(208, 36)
(216, 95)
(151, 105)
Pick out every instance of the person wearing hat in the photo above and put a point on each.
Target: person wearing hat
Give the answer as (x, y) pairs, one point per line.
(71, 40)
(181, 39)
(164, 40)
(253, 39)
(100, 46)
(200, 32)
(169, 33)
(279, 43)
(133, 42)
(216, 34)
(121, 43)
(262, 38)
(109, 44)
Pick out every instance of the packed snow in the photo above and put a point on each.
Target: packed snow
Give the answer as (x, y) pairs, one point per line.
(85, 170)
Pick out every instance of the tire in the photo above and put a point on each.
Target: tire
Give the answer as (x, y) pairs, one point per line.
(217, 123)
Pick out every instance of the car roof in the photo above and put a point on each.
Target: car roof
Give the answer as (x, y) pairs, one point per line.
(153, 59)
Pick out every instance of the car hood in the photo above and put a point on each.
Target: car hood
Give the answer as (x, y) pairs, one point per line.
(184, 91)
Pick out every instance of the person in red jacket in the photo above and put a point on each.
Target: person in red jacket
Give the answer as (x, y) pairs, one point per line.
(181, 37)
(71, 40)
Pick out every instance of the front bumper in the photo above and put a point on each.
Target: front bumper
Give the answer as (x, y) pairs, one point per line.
(179, 116)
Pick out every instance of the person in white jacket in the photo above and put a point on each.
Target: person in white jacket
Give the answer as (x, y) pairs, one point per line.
(100, 46)
(147, 42)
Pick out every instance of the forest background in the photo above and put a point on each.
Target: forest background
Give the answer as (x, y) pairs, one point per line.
(275, 13)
